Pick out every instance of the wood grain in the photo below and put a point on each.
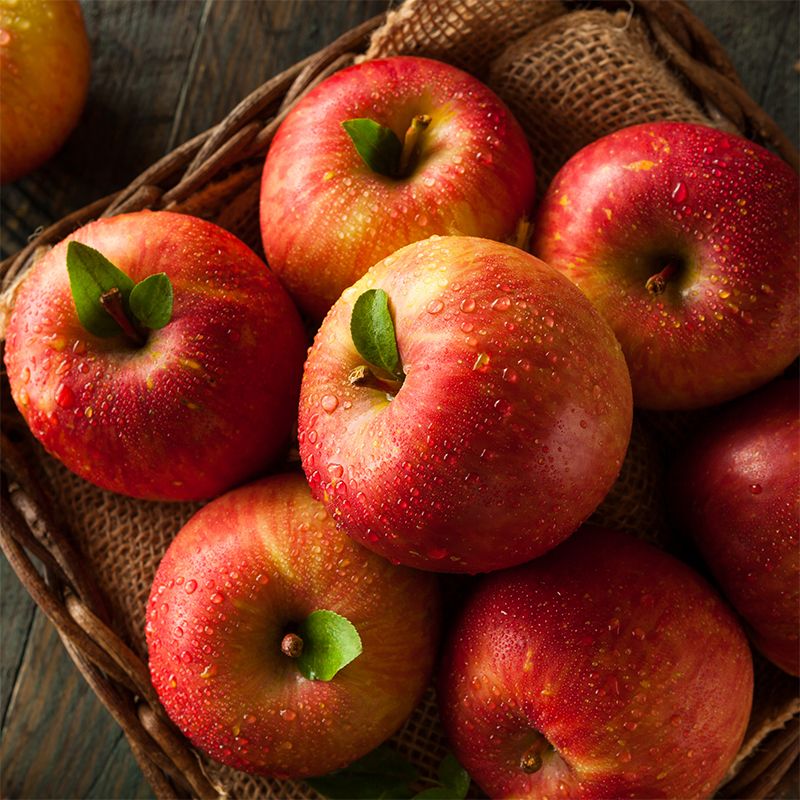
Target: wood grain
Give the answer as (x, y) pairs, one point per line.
(163, 71)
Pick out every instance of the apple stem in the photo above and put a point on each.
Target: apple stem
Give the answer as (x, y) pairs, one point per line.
(531, 762)
(112, 303)
(533, 758)
(364, 376)
(292, 645)
(411, 141)
(656, 284)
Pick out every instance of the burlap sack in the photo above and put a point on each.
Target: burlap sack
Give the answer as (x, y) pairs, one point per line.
(569, 77)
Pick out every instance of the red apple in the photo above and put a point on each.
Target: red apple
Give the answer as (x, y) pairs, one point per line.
(185, 411)
(44, 72)
(227, 602)
(326, 216)
(737, 490)
(606, 669)
(686, 240)
(506, 423)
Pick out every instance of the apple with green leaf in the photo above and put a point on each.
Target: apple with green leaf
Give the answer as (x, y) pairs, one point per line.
(380, 155)
(737, 492)
(604, 669)
(44, 72)
(687, 240)
(156, 356)
(463, 408)
(278, 645)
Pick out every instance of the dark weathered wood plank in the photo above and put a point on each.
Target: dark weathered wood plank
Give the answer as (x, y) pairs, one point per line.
(17, 614)
(58, 737)
(140, 54)
(763, 41)
(243, 44)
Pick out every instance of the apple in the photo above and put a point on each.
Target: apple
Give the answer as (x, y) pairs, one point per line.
(226, 638)
(736, 488)
(44, 71)
(177, 412)
(604, 669)
(380, 155)
(500, 427)
(686, 240)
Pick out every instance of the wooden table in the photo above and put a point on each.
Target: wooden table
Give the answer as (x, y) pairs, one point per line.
(162, 72)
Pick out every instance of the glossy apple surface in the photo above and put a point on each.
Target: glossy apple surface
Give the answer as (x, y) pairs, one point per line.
(44, 71)
(326, 217)
(737, 490)
(604, 669)
(206, 402)
(716, 217)
(508, 430)
(246, 569)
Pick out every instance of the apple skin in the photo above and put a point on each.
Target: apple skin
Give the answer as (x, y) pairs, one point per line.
(326, 217)
(737, 491)
(508, 431)
(726, 212)
(617, 654)
(245, 567)
(209, 399)
(44, 70)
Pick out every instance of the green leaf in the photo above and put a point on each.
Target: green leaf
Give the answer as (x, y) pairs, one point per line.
(383, 773)
(454, 776)
(151, 301)
(378, 145)
(91, 275)
(330, 642)
(373, 333)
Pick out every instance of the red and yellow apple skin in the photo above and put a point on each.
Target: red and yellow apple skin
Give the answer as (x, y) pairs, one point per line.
(608, 662)
(508, 431)
(209, 399)
(718, 208)
(737, 491)
(326, 217)
(44, 72)
(243, 569)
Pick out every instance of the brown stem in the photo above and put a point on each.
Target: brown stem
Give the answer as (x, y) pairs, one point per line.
(292, 645)
(112, 303)
(657, 284)
(411, 141)
(364, 376)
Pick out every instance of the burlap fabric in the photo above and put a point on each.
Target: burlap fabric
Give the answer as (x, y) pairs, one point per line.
(570, 77)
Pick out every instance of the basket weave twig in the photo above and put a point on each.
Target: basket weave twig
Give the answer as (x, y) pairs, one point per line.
(216, 175)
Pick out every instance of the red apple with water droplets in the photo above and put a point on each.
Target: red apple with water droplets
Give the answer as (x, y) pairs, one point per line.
(506, 430)
(197, 406)
(327, 216)
(687, 240)
(737, 491)
(234, 584)
(44, 72)
(605, 669)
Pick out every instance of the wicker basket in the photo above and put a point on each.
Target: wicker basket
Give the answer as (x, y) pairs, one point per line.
(639, 61)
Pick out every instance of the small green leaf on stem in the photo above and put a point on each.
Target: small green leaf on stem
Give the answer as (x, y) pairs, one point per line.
(378, 146)
(91, 275)
(372, 329)
(383, 773)
(330, 643)
(151, 301)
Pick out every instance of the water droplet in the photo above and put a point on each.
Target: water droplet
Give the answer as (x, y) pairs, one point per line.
(191, 585)
(186, 657)
(502, 304)
(287, 714)
(435, 306)
(510, 375)
(217, 598)
(680, 193)
(468, 305)
(329, 403)
(335, 470)
(756, 488)
(64, 396)
(549, 321)
(262, 579)
(437, 553)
